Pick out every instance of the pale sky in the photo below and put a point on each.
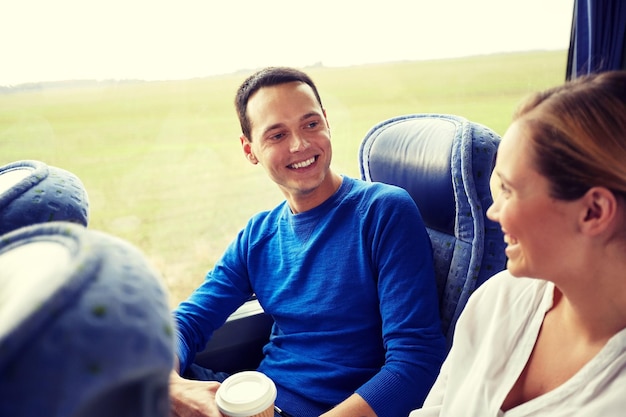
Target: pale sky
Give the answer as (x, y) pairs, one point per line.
(51, 40)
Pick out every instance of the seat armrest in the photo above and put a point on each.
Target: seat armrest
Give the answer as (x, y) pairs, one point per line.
(238, 344)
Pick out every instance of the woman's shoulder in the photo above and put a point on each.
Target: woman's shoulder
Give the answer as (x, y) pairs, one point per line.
(506, 293)
(499, 310)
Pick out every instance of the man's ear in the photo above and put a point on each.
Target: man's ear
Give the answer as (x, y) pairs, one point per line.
(601, 208)
(247, 150)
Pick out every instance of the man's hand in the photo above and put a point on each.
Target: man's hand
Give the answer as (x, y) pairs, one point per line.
(192, 398)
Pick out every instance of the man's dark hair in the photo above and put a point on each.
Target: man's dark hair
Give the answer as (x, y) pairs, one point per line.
(267, 77)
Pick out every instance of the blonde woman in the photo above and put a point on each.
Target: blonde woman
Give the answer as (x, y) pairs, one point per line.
(547, 336)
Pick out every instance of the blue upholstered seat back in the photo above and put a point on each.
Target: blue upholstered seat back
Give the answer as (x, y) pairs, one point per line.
(445, 163)
(32, 192)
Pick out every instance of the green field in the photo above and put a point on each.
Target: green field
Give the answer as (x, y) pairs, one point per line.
(162, 161)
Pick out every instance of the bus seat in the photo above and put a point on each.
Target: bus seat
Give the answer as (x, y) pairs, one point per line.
(445, 163)
(423, 154)
(33, 192)
(85, 326)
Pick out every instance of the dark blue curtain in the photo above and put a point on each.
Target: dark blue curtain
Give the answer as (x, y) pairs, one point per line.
(598, 37)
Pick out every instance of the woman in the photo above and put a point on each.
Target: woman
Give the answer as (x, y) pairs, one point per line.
(547, 337)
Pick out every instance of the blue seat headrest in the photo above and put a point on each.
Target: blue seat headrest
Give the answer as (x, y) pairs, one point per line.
(415, 154)
(33, 192)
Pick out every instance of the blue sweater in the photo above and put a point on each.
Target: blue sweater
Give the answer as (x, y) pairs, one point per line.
(351, 288)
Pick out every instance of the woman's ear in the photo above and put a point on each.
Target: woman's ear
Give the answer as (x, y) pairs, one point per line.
(600, 205)
(247, 150)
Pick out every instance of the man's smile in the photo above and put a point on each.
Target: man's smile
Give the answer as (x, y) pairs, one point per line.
(303, 164)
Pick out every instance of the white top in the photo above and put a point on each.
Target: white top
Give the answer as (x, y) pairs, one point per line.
(493, 340)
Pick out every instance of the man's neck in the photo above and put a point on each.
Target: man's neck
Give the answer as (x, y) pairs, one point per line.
(299, 203)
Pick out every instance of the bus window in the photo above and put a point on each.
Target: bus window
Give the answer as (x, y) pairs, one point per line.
(136, 99)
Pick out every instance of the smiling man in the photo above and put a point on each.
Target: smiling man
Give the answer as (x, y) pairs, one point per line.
(293, 147)
(344, 267)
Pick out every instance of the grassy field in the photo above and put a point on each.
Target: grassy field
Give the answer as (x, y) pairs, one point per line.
(162, 162)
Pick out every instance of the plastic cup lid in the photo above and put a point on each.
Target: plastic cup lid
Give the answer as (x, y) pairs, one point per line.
(245, 394)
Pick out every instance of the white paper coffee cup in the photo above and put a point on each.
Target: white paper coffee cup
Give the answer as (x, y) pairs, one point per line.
(246, 394)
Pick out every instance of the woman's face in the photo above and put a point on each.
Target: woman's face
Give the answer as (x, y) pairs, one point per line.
(539, 230)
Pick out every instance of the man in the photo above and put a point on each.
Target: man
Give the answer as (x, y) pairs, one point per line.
(344, 267)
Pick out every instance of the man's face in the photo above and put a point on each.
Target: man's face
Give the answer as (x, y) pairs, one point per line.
(291, 140)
